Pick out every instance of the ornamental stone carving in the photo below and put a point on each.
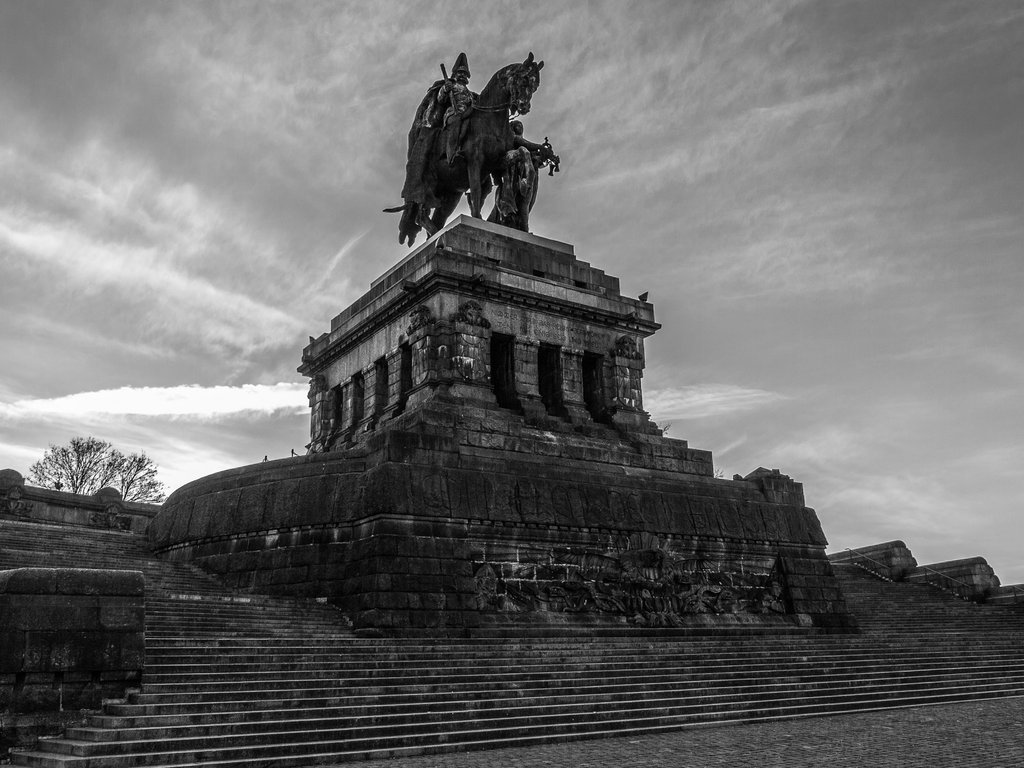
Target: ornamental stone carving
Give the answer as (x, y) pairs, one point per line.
(649, 586)
(419, 318)
(317, 384)
(112, 517)
(471, 313)
(12, 503)
(626, 346)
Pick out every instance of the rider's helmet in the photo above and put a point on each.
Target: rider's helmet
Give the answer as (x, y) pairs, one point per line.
(461, 68)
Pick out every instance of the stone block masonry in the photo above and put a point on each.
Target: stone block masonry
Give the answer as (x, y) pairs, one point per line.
(69, 637)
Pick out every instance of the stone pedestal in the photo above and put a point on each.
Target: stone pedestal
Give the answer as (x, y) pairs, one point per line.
(498, 468)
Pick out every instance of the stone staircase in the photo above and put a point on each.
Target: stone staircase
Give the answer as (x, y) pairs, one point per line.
(35, 545)
(917, 608)
(275, 683)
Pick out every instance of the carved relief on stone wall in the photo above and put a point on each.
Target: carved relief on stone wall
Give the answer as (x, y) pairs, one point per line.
(469, 352)
(112, 517)
(626, 346)
(486, 588)
(419, 318)
(648, 585)
(322, 405)
(12, 503)
(317, 384)
(470, 313)
(628, 393)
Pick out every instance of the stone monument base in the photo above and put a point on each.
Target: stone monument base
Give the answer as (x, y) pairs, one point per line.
(480, 456)
(460, 516)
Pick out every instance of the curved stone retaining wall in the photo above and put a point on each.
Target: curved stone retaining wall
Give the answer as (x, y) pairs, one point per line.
(404, 545)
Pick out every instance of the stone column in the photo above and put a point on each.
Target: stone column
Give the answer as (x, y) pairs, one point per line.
(369, 420)
(572, 386)
(527, 388)
(344, 425)
(396, 397)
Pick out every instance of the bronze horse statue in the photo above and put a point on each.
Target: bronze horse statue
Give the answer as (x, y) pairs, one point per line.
(434, 186)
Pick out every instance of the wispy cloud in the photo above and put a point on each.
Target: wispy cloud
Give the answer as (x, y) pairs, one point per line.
(340, 289)
(190, 402)
(113, 225)
(703, 400)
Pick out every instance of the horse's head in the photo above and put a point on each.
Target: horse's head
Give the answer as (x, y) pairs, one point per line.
(521, 81)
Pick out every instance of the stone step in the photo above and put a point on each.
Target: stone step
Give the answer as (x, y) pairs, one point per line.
(333, 751)
(86, 741)
(251, 715)
(243, 721)
(391, 689)
(413, 702)
(465, 675)
(159, 670)
(157, 680)
(345, 648)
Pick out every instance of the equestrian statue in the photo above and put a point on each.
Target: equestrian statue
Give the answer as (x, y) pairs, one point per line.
(463, 142)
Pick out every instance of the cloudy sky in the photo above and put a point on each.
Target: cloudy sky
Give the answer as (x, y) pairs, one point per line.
(824, 199)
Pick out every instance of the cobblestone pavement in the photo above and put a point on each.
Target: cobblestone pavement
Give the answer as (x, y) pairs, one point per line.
(987, 734)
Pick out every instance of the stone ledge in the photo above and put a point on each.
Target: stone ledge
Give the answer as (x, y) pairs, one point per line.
(71, 581)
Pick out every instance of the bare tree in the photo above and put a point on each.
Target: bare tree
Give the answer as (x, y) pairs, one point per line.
(87, 464)
(136, 479)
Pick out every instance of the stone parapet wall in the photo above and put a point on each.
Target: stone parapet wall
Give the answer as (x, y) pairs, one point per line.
(1008, 594)
(970, 577)
(69, 637)
(419, 528)
(105, 509)
(891, 559)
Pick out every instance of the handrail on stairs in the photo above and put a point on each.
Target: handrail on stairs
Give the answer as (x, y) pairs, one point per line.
(883, 566)
(1014, 590)
(968, 587)
(947, 577)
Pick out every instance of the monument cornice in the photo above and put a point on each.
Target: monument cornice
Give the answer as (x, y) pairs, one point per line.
(478, 286)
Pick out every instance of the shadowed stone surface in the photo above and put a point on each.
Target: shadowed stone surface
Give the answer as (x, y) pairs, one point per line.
(69, 637)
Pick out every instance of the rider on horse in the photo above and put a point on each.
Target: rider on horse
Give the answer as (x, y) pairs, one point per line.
(458, 144)
(456, 93)
(444, 105)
